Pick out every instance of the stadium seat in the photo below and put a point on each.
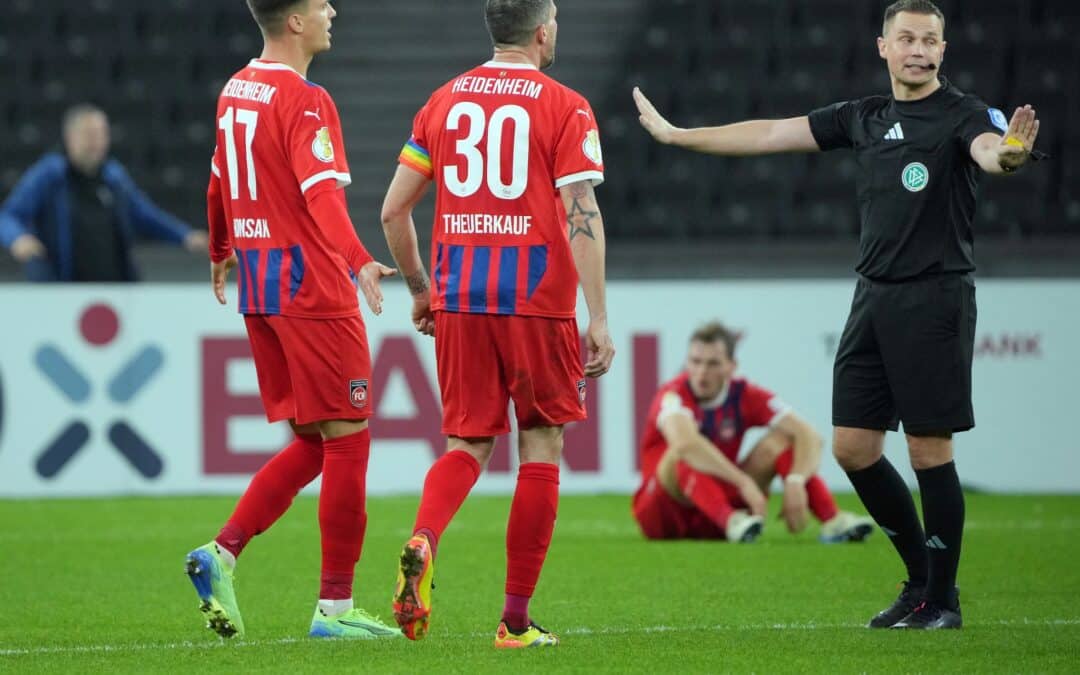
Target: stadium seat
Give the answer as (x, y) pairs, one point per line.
(1059, 19)
(745, 22)
(992, 21)
(825, 21)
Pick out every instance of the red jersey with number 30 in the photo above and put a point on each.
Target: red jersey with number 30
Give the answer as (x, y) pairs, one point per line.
(499, 140)
(279, 145)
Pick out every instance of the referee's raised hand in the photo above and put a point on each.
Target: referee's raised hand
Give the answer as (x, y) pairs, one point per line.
(1015, 147)
(652, 120)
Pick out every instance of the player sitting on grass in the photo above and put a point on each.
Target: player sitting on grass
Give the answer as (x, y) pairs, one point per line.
(692, 484)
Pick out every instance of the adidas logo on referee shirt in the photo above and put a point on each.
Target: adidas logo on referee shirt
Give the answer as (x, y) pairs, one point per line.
(895, 134)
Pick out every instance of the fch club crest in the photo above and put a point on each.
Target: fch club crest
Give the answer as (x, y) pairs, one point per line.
(358, 393)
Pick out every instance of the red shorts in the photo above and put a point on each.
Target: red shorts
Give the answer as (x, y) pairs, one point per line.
(311, 370)
(487, 360)
(661, 517)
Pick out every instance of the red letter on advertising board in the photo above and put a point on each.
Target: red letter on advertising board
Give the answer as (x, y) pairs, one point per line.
(219, 406)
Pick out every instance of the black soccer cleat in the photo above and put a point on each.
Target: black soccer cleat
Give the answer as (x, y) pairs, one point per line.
(902, 607)
(931, 616)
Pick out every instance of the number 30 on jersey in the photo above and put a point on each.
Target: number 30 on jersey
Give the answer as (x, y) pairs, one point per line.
(468, 148)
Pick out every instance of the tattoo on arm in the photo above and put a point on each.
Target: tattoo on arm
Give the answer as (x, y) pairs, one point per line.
(579, 219)
(418, 283)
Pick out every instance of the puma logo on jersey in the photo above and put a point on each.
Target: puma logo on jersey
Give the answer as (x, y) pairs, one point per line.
(582, 111)
(308, 113)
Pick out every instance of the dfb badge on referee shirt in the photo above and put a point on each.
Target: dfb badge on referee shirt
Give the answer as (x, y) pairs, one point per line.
(358, 393)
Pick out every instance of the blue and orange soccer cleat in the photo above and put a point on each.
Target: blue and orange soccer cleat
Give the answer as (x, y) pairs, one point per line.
(412, 594)
(533, 636)
(213, 581)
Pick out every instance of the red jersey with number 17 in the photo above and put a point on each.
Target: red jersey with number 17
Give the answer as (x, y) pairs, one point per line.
(499, 140)
(279, 144)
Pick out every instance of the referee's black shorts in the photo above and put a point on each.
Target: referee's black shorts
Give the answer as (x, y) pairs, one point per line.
(905, 355)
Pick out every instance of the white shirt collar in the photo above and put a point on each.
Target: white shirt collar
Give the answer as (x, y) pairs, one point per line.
(271, 65)
(510, 65)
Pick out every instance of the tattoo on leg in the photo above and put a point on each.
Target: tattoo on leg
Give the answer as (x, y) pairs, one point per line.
(417, 283)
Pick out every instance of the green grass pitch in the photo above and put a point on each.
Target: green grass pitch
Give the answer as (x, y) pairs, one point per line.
(97, 586)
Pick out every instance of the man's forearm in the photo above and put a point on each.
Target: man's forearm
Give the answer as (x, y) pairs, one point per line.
(220, 245)
(807, 455)
(705, 457)
(742, 138)
(401, 239)
(588, 247)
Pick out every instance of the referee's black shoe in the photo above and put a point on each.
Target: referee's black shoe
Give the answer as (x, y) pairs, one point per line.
(904, 605)
(930, 616)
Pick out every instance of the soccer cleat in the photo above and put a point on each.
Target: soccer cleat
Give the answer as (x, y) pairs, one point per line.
(742, 527)
(909, 599)
(412, 594)
(355, 623)
(213, 582)
(846, 526)
(930, 616)
(533, 636)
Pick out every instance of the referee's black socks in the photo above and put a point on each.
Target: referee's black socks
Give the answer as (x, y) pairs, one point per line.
(888, 501)
(943, 511)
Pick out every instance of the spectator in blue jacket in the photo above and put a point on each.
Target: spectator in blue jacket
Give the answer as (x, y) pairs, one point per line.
(73, 216)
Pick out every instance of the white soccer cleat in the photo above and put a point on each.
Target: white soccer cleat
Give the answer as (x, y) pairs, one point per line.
(846, 526)
(742, 527)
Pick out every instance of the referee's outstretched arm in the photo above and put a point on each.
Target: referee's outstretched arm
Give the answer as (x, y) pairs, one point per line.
(992, 152)
(755, 137)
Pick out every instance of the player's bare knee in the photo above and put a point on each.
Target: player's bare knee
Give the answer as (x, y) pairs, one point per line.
(338, 428)
(930, 449)
(856, 449)
(310, 429)
(480, 448)
(540, 444)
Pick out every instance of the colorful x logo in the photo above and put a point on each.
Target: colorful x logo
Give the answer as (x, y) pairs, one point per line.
(122, 388)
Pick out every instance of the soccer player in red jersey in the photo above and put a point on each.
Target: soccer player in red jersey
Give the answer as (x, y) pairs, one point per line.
(514, 156)
(276, 208)
(692, 482)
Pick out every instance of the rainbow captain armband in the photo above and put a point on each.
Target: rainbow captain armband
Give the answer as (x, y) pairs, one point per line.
(414, 156)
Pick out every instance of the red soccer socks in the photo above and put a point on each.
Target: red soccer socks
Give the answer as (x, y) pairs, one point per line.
(271, 492)
(818, 497)
(707, 493)
(446, 486)
(528, 535)
(342, 513)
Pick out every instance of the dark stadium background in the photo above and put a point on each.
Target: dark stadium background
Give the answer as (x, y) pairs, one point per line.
(157, 67)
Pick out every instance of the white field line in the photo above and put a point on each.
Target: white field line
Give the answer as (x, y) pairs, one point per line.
(221, 644)
(612, 528)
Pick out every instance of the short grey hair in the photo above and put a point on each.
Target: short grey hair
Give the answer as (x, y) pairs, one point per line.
(512, 22)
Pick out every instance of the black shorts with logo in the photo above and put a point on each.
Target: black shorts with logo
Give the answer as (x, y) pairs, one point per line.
(905, 355)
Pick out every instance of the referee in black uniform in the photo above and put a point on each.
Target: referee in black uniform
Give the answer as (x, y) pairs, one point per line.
(906, 351)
